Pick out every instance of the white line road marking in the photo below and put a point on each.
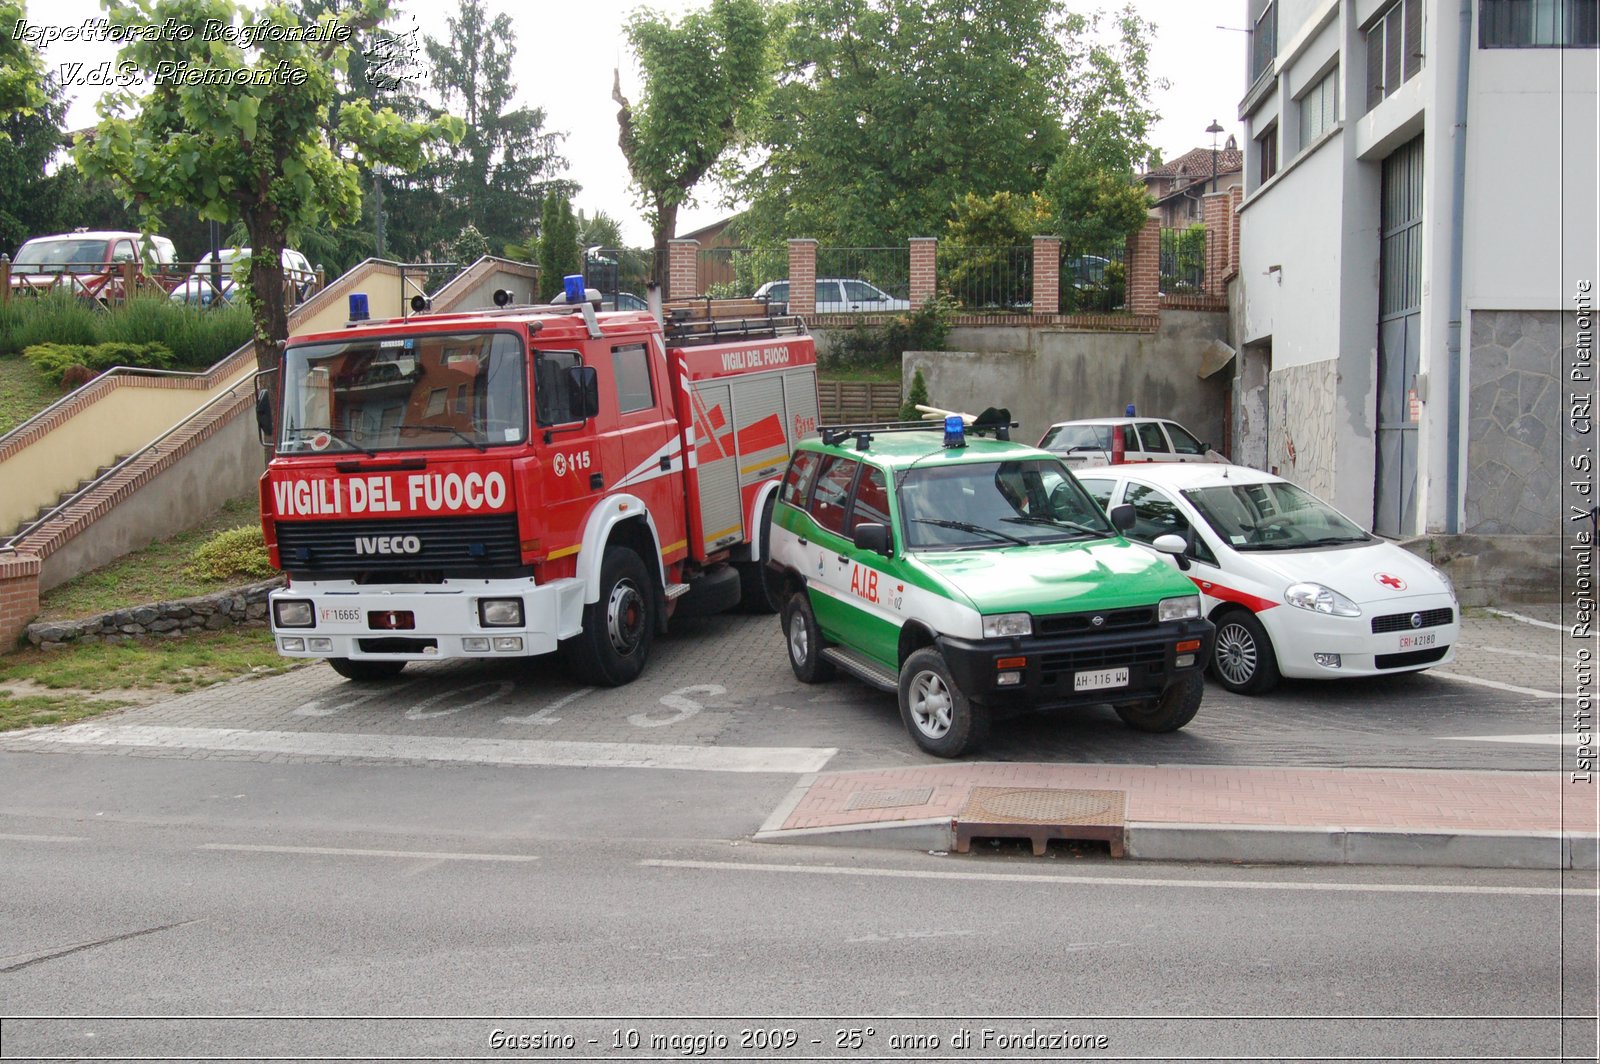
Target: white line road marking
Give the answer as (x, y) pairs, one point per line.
(420, 711)
(1546, 739)
(1498, 686)
(775, 759)
(1514, 653)
(1044, 878)
(339, 851)
(41, 838)
(543, 716)
(327, 707)
(1526, 620)
(686, 707)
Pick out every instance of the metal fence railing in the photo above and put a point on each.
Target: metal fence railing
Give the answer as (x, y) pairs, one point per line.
(1094, 280)
(620, 275)
(863, 280)
(1183, 260)
(739, 273)
(996, 279)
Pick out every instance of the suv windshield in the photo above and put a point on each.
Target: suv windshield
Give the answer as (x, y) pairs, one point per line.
(997, 504)
(375, 394)
(1272, 516)
(55, 256)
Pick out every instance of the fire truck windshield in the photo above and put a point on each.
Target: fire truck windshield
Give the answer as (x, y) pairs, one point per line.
(405, 393)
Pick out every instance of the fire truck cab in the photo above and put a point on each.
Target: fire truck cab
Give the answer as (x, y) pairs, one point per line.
(511, 482)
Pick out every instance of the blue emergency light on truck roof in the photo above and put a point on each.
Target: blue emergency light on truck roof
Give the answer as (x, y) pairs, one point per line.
(955, 431)
(573, 284)
(358, 306)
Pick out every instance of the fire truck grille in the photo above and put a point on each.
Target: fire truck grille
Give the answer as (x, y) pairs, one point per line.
(455, 544)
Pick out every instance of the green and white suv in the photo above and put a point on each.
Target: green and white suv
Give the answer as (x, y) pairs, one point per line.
(976, 576)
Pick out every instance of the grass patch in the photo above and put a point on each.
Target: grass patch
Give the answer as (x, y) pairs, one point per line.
(886, 371)
(36, 711)
(158, 573)
(24, 391)
(163, 665)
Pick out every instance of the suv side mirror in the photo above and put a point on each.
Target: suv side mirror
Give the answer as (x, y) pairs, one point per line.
(585, 392)
(1122, 517)
(872, 536)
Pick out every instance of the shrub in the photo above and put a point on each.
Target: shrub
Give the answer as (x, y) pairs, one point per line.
(55, 360)
(924, 329)
(197, 337)
(237, 552)
(918, 394)
(54, 317)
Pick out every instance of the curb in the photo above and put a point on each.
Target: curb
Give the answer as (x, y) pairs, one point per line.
(1248, 843)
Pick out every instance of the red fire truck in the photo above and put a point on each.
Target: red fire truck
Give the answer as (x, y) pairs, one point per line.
(509, 482)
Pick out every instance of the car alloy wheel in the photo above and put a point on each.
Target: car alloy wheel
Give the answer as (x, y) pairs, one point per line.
(1238, 656)
(931, 705)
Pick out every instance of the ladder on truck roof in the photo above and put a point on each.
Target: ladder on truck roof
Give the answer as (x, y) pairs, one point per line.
(691, 322)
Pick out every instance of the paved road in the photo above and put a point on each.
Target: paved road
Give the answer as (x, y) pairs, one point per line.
(722, 686)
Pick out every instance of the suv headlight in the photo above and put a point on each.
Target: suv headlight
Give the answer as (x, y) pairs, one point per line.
(293, 613)
(1007, 624)
(1179, 609)
(1319, 599)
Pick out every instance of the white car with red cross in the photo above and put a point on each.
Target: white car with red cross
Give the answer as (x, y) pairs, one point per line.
(1294, 587)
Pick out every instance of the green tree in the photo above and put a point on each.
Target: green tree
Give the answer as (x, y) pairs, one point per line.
(258, 153)
(704, 80)
(988, 247)
(469, 246)
(497, 177)
(559, 254)
(1094, 208)
(22, 77)
(599, 230)
(918, 395)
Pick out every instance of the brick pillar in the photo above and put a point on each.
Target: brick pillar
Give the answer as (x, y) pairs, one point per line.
(1047, 275)
(1219, 237)
(802, 276)
(924, 270)
(683, 269)
(19, 596)
(1144, 269)
(1235, 201)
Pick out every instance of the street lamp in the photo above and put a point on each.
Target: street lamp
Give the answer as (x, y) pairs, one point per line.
(1214, 128)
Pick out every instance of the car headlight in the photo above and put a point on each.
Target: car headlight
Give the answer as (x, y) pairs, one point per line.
(1319, 599)
(1449, 585)
(293, 613)
(1180, 609)
(1007, 624)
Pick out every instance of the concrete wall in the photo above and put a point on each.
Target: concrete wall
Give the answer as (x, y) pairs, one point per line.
(1302, 429)
(1515, 423)
(474, 287)
(1045, 375)
(223, 466)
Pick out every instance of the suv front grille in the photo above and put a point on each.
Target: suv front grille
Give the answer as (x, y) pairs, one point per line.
(1111, 620)
(1069, 661)
(1401, 622)
(455, 544)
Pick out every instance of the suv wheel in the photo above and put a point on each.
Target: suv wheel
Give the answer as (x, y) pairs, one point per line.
(1176, 707)
(941, 719)
(804, 640)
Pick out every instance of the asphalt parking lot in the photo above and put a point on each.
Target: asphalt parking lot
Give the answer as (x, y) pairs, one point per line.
(719, 696)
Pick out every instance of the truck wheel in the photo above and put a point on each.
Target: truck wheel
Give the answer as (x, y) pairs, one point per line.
(1244, 661)
(617, 630)
(942, 720)
(1176, 707)
(805, 640)
(759, 587)
(351, 669)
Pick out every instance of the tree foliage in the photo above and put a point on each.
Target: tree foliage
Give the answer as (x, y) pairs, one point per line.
(559, 253)
(22, 88)
(1093, 207)
(704, 79)
(259, 153)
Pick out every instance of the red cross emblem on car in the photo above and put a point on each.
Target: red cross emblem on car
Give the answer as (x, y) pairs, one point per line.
(1389, 580)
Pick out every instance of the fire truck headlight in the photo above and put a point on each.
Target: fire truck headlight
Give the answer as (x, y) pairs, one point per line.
(500, 613)
(293, 613)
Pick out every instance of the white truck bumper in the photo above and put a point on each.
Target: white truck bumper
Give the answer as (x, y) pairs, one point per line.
(423, 622)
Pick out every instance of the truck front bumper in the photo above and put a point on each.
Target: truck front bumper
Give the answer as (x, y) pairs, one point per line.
(1045, 672)
(422, 622)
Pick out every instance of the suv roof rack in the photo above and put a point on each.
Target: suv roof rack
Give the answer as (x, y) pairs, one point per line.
(991, 422)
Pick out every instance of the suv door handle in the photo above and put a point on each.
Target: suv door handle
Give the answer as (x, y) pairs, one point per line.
(804, 542)
(843, 558)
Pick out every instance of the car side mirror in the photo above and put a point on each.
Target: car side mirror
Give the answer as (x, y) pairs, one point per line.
(264, 417)
(585, 392)
(874, 537)
(1122, 517)
(1174, 545)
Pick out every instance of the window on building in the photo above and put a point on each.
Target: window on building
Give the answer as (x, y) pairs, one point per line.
(1319, 108)
(1394, 49)
(1263, 42)
(1267, 153)
(1539, 24)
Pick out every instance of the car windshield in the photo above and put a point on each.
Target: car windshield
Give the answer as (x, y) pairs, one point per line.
(1068, 438)
(997, 504)
(376, 394)
(55, 256)
(1272, 516)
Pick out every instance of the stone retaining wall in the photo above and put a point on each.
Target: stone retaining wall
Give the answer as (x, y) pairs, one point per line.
(233, 608)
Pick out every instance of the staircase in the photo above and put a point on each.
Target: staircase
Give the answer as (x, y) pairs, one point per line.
(67, 496)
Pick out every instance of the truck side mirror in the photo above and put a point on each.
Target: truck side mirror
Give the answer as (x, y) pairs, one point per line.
(1122, 517)
(874, 537)
(264, 417)
(585, 392)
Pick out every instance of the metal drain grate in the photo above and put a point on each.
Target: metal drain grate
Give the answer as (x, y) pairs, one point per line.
(890, 799)
(1042, 814)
